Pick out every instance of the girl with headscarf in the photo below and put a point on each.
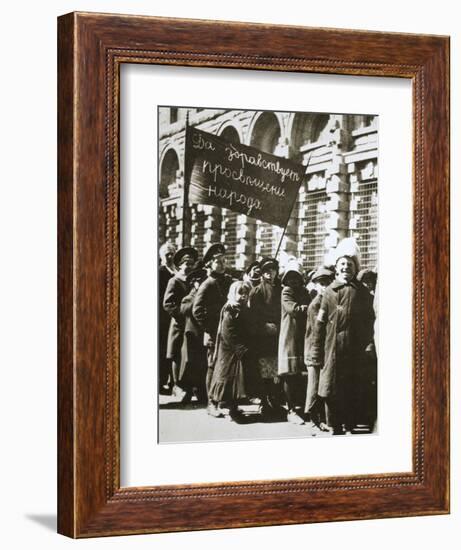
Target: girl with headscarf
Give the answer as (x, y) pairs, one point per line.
(227, 384)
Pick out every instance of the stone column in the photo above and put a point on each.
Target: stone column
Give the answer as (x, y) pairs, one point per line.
(169, 221)
(288, 244)
(246, 237)
(337, 206)
(212, 225)
(337, 186)
(362, 164)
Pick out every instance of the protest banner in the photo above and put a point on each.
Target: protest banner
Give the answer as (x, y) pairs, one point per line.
(240, 178)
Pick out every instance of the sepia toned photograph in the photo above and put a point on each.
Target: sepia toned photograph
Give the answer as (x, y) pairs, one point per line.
(267, 274)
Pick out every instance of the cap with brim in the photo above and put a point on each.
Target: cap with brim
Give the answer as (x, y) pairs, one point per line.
(196, 275)
(291, 271)
(292, 267)
(322, 272)
(182, 252)
(268, 263)
(216, 249)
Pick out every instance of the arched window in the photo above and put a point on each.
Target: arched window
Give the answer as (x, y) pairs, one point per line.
(168, 172)
(306, 128)
(230, 134)
(266, 133)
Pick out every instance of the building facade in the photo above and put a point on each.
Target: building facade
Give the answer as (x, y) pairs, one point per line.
(339, 197)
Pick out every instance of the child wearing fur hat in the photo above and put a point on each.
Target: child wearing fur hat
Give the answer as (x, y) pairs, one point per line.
(295, 301)
(342, 337)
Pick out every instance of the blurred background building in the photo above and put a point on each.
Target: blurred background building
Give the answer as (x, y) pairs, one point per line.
(337, 199)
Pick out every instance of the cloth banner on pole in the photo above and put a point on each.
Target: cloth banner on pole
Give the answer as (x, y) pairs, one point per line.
(241, 178)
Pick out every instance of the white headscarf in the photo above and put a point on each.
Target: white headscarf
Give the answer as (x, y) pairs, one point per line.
(234, 291)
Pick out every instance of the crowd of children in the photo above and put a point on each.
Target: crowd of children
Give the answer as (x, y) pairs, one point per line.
(301, 345)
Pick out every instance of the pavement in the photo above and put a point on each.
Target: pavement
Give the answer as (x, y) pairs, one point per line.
(179, 423)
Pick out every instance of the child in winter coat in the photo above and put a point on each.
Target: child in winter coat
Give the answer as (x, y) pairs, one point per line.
(315, 407)
(342, 340)
(227, 383)
(295, 300)
(193, 353)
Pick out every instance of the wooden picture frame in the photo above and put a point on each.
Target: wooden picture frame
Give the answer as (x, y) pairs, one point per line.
(92, 48)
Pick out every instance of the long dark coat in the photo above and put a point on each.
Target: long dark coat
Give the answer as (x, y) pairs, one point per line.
(292, 328)
(227, 383)
(176, 290)
(209, 300)
(164, 275)
(313, 371)
(312, 314)
(193, 355)
(343, 332)
(265, 307)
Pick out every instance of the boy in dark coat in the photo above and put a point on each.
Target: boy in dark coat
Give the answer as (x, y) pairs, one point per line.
(342, 338)
(367, 419)
(166, 271)
(193, 354)
(177, 289)
(208, 302)
(265, 310)
(314, 407)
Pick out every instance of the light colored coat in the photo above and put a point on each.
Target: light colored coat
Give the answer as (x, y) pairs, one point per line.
(342, 335)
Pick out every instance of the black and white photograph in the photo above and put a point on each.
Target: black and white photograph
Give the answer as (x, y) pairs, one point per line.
(222, 326)
(267, 274)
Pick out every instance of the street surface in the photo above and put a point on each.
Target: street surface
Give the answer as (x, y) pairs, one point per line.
(180, 423)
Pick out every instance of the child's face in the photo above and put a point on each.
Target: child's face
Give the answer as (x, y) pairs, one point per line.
(187, 263)
(321, 284)
(167, 257)
(241, 297)
(345, 270)
(218, 264)
(269, 275)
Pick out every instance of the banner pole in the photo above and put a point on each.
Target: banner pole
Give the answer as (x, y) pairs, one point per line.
(185, 241)
(291, 210)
